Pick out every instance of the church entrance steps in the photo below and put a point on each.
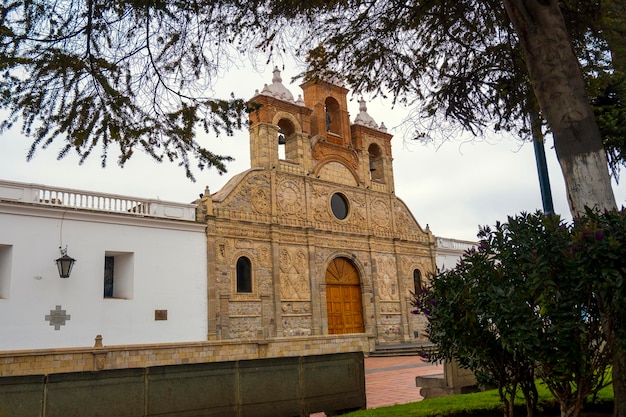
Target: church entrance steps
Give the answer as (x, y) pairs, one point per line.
(404, 349)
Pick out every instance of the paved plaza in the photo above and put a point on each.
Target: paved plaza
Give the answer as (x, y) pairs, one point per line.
(391, 380)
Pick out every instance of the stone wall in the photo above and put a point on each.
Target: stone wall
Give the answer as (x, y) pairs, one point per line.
(290, 386)
(50, 361)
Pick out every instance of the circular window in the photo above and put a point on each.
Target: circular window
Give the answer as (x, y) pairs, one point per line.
(339, 206)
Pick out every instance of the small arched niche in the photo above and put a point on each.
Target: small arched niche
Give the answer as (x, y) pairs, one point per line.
(287, 143)
(333, 116)
(376, 167)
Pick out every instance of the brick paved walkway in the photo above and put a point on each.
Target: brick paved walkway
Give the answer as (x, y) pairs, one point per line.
(391, 380)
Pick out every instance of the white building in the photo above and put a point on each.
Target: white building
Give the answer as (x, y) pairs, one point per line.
(449, 251)
(139, 276)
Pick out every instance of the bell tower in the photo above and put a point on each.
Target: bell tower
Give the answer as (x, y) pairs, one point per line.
(374, 146)
(279, 127)
(314, 137)
(330, 121)
(364, 148)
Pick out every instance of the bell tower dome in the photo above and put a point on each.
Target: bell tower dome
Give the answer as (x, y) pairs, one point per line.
(279, 127)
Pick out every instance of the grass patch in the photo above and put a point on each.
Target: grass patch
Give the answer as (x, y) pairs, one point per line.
(483, 404)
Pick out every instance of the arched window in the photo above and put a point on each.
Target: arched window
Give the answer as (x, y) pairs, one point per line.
(333, 117)
(244, 275)
(375, 163)
(417, 281)
(287, 148)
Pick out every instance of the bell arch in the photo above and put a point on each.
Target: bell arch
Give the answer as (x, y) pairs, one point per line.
(344, 304)
(333, 115)
(289, 132)
(376, 166)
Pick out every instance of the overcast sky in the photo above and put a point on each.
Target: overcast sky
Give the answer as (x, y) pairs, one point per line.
(453, 188)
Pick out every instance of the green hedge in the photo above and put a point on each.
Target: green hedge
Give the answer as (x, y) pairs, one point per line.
(480, 404)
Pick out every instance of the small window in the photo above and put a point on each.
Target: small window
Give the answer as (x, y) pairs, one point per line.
(118, 275)
(109, 267)
(244, 275)
(5, 270)
(339, 206)
(417, 281)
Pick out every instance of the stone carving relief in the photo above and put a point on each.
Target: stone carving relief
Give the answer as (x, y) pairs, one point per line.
(297, 326)
(245, 196)
(358, 211)
(320, 258)
(245, 328)
(243, 243)
(405, 265)
(387, 278)
(390, 308)
(290, 199)
(294, 279)
(223, 247)
(240, 232)
(323, 150)
(381, 216)
(319, 203)
(404, 221)
(296, 308)
(264, 256)
(261, 201)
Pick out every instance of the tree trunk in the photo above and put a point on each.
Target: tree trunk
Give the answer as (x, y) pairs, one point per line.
(558, 84)
(618, 373)
(619, 380)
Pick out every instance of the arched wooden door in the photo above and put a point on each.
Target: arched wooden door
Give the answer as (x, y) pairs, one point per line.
(343, 298)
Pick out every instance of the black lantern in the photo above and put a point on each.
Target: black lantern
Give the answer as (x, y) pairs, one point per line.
(65, 264)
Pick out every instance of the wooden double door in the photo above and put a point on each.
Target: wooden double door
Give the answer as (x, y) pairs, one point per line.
(343, 298)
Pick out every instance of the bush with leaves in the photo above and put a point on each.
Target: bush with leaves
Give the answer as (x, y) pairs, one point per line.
(599, 241)
(521, 291)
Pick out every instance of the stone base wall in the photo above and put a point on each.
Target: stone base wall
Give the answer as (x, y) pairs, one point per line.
(277, 387)
(52, 361)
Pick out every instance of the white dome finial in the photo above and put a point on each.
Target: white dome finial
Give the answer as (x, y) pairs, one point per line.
(363, 118)
(362, 105)
(277, 89)
(276, 78)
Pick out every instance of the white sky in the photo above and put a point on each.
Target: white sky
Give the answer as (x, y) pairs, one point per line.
(453, 188)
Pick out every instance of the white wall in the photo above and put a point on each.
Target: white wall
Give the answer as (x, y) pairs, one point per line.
(450, 251)
(168, 270)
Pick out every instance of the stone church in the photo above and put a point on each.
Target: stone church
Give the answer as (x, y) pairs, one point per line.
(312, 240)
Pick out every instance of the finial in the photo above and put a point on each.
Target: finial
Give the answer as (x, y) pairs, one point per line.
(276, 78)
(362, 105)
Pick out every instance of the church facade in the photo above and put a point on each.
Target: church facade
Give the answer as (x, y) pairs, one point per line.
(312, 240)
(308, 252)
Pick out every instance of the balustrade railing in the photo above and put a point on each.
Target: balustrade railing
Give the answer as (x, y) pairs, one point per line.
(89, 200)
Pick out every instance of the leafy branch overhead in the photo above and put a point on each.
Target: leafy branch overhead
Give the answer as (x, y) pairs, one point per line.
(93, 74)
(128, 75)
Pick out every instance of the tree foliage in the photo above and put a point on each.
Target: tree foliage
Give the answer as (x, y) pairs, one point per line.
(531, 294)
(600, 242)
(137, 75)
(130, 75)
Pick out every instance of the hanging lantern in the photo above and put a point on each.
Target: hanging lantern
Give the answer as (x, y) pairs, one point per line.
(65, 264)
